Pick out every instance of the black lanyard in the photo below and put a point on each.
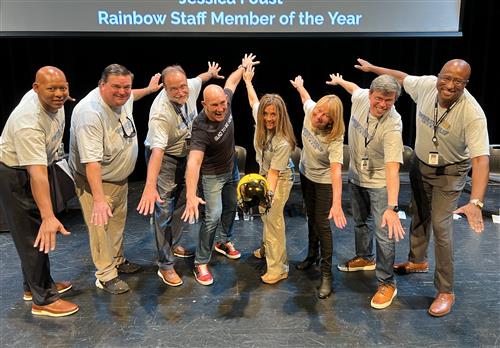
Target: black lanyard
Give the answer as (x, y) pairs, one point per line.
(369, 138)
(178, 110)
(441, 119)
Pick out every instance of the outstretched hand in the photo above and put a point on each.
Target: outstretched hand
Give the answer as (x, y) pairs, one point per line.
(298, 82)
(474, 216)
(213, 70)
(363, 65)
(46, 238)
(154, 84)
(191, 213)
(395, 229)
(335, 79)
(248, 60)
(248, 74)
(148, 199)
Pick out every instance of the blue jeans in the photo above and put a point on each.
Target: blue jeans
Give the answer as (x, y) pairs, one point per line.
(368, 206)
(219, 193)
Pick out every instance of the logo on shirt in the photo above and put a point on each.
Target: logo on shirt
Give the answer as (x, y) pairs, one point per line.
(312, 140)
(429, 122)
(224, 129)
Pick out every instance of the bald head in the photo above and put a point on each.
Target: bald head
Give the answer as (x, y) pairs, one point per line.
(52, 88)
(48, 73)
(214, 103)
(458, 66)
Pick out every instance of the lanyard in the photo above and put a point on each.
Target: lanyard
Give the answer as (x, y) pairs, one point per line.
(441, 119)
(265, 145)
(178, 110)
(369, 138)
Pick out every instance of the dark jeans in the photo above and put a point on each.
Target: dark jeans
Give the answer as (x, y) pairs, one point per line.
(318, 201)
(435, 193)
(23, 219)
(167, 215)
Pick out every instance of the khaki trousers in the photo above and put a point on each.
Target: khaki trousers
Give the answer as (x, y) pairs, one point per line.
(274, 228)
(106, 242)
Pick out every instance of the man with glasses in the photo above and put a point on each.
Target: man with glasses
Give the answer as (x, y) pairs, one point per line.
(103, 152)
(451, 134)
(376, 153)
(167, 144)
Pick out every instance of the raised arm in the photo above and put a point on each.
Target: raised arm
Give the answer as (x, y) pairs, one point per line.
(337, 79)
(153, 86)
(247, 77)
(368, 67)
(211, 73)
(234, 79)
(298, 83)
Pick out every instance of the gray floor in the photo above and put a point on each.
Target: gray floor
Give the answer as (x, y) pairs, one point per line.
(239, 310)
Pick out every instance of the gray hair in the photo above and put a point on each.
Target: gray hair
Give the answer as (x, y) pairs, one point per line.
(171, 69)
(386, 84)
(115, 69)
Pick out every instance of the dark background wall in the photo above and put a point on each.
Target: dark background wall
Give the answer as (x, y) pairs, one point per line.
(83, 59)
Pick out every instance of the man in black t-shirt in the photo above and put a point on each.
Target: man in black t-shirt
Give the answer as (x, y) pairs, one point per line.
(212, 153)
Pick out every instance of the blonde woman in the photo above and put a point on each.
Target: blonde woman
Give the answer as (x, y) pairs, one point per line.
(274, 142)
(321, 179)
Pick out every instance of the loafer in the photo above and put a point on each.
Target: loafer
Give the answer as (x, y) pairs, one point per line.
(411, 267)
(170, 277)
(114, 286)
(273, 278)
(59, 308)
(60, 286)
(128, 267)
(180, 251)
(442, 304)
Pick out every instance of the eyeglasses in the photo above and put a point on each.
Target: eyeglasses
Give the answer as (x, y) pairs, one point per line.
(128, 128)
(456, 81)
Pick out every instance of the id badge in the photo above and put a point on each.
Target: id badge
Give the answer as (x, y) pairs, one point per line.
(433, 158)
(364, 163)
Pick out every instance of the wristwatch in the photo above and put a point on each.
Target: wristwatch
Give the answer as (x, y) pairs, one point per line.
(477, 203)
(394, 208)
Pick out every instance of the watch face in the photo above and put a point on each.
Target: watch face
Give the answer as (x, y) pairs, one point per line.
(396, 208)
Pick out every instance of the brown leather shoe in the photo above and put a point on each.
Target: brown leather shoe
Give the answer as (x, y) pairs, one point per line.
(170, 277)
(180, 251)
(442, 304)
(60, 286)
(273, 279)
(60, 308)
(411, 267)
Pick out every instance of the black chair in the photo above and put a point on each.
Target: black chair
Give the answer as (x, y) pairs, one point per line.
(241, 155)
(404, 170)
(345, 162)
(296, 160)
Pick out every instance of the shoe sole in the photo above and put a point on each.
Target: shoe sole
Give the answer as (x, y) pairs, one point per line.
(343, 268)
(386, 304)
(206, 283)
(220, 251)
(100, 286)
(168, 283)
(183, 256)
(408, 271)
(128, 272)
(30, 298)
(51, 314)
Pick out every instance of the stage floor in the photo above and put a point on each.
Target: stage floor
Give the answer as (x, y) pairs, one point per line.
(238, 310)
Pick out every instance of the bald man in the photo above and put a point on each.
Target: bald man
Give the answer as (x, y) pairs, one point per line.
(29, 143)
(451, 135)
(212, 153)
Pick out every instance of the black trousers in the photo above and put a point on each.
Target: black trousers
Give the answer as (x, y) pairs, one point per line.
(23, 219)
(318, 200)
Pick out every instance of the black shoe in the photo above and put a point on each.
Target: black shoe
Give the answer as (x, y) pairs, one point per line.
(114, 286)
(325, 289)
(307, 263)
(128, 267)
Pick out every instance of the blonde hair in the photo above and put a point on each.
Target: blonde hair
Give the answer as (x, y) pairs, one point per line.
(335, 111)
(283, 125)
